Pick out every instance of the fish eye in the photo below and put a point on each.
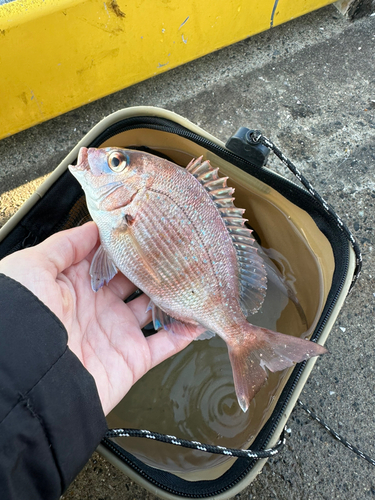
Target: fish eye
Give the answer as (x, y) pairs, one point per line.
(117, 161)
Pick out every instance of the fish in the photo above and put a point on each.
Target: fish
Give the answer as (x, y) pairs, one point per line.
(177, 235)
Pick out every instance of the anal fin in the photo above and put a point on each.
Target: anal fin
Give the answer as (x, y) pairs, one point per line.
(206, 335)
(161, 319)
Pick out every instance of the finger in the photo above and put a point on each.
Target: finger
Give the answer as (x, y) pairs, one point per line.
(69, 247)
(164, 344)
(121, 286)
(138, 307)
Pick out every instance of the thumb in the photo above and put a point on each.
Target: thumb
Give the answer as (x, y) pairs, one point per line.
(65, 248)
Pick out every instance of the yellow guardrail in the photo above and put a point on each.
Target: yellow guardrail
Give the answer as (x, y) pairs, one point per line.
(56, 55)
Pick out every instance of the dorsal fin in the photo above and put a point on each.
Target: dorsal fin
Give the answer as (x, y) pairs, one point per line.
(252, 272)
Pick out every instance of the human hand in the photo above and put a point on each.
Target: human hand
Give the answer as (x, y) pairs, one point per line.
(103, 332)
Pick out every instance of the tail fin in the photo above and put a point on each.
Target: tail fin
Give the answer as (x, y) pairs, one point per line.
(263, 349)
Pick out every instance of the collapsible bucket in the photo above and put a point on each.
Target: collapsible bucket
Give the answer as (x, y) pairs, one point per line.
(191, 395)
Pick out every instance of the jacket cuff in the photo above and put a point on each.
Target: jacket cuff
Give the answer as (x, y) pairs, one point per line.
(51, 418)
(67, 404)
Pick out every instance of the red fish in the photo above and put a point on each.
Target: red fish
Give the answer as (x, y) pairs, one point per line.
(177, 235)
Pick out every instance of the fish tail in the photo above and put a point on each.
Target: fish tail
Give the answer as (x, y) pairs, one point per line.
(261, 349)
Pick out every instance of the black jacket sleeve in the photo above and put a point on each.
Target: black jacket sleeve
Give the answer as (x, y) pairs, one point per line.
(51, 419)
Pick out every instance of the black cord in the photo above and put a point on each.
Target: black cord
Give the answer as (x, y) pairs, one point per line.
(196, 445)
(257, 137)
(337, 436)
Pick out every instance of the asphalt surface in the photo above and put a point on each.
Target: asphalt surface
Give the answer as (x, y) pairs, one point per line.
(310, 86)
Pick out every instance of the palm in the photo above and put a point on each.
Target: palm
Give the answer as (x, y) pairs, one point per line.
(103, 331)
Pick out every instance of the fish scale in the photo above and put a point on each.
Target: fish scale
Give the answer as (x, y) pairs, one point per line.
(154, 222)
(178, 236)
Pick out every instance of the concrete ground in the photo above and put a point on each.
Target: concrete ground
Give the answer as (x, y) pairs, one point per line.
(310, 86)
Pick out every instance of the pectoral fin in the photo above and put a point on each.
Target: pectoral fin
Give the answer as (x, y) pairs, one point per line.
(102, 269)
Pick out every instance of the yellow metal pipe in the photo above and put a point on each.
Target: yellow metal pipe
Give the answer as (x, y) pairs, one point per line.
(56, 55)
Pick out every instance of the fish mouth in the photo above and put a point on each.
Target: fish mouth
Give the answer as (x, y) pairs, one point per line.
(82, 160)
